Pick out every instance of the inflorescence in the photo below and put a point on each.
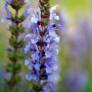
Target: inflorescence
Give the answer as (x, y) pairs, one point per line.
(42, 50)
(15, 54)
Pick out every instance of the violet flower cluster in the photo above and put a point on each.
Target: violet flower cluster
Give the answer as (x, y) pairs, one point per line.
(41, 51)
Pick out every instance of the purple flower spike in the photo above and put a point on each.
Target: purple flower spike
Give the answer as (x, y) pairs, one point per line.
(42, 45)
(49, 51)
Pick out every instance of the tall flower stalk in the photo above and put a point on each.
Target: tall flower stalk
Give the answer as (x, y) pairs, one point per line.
(41, 51)
(13, 68)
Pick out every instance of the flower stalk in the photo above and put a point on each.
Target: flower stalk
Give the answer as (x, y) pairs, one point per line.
(42, 43)
(13, 68)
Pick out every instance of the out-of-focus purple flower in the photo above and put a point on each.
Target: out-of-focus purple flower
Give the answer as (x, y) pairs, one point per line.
(5, 18)
(7, 76)
(76, 81)
(8, 26)
(8, 13)
(7, 3)
(27, 11)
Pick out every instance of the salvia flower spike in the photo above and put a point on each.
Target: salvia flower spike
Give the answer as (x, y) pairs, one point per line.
(41, 51)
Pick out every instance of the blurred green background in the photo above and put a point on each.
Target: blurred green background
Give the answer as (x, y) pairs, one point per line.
(75, 57)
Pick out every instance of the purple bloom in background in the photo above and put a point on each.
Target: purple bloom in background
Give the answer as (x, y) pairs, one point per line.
(7, 3)
(8, 13)
(76, 81)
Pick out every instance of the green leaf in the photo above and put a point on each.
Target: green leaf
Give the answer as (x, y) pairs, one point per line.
(13, 41)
